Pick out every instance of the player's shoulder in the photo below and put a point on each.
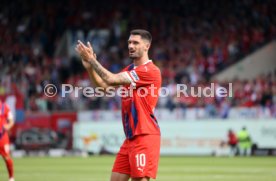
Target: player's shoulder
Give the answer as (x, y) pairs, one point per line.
(149, 66)
(157, 68)
(154, 68)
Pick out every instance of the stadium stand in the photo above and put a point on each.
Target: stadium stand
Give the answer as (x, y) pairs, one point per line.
(191, 43)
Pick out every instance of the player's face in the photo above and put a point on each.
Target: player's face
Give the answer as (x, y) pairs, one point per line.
(137, 46)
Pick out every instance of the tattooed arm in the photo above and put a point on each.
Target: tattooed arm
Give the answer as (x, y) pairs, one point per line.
(108, 77)
(96, 79)
(100, 75)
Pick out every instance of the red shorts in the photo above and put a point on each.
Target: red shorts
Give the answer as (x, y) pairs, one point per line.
(5, 150)
(139, 157)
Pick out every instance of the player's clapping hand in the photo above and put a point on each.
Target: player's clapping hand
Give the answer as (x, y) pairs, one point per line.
(6, 127)
(86, 52)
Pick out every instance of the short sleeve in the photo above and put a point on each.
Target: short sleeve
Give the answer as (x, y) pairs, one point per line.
(142, 77)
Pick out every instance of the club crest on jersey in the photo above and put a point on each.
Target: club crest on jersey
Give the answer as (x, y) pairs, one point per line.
(134, 75)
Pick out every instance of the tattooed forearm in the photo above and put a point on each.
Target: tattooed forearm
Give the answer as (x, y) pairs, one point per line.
(101, 71)
(108, 77)
(122, 79)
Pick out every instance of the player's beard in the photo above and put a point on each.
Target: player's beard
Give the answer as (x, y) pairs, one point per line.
(137, 54)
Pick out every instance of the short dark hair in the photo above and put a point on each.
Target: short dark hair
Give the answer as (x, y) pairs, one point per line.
(143, 33)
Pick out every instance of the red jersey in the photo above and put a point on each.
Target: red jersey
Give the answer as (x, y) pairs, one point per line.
(5, 113)
(232, 139)
(138, 107)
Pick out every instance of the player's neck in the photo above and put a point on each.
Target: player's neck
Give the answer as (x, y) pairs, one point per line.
(141, 60)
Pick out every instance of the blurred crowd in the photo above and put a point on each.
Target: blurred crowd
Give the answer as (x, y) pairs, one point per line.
(192, 40)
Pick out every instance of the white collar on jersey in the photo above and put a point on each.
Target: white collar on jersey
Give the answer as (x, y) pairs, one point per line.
(143, 63)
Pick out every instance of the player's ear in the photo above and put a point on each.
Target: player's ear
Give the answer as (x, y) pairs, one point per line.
(147, 46)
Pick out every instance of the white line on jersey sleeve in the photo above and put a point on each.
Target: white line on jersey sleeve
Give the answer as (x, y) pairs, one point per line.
(130, 79)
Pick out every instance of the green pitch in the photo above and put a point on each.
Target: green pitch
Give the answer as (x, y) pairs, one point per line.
(171, 169)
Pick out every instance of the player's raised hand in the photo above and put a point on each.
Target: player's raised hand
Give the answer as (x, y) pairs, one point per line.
(6, 127)
(86, 52)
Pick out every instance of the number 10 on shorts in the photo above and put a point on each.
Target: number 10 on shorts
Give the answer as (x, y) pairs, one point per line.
(140, 160)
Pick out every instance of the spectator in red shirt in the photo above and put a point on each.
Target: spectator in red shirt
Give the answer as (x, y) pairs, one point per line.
(232, 142)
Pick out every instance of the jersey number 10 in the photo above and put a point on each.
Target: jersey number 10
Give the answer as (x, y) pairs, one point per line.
(140, 160)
